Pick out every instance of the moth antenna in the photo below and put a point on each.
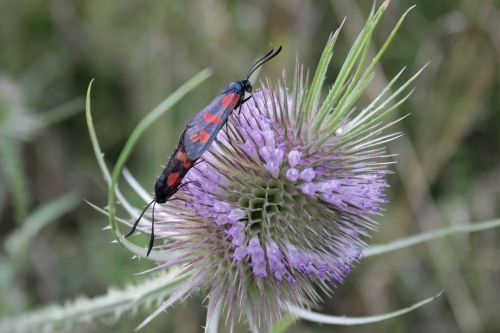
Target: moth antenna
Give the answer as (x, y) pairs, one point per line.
(152, 239)
(268, 56)
(139, 218)
(259, 60)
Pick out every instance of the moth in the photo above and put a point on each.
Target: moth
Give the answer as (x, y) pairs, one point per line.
(196, 138)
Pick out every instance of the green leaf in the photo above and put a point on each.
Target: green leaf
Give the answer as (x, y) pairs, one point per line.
(351, 83)
(19, 240)
(12, 167)
(348, 321)
(113, 305)
(427, 236)
(61, 112)
(352, 58)
(314, 92)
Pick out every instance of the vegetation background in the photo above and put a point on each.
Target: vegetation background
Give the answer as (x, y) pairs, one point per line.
(448, 173)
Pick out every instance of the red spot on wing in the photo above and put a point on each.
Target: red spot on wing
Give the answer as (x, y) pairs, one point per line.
(230, 99)
(173, 179)
(204, 136)
(181, 156)
(195, 136)
(211, 118)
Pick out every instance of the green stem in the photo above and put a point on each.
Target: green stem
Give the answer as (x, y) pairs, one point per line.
(13, 170)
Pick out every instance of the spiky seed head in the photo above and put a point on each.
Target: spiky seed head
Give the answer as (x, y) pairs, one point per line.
(276, 213)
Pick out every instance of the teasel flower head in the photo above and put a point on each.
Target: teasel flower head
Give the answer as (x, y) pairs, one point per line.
(277, 213)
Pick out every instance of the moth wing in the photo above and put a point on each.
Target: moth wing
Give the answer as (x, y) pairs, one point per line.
(202, 130)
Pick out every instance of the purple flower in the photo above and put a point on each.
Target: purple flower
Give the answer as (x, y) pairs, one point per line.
(273, 214)
(281, 201)
(307, 174)
(292, 174)
(258, 261)
(276, 260)
(293, 158)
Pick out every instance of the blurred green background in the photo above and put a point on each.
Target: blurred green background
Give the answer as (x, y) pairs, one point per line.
(140, 51)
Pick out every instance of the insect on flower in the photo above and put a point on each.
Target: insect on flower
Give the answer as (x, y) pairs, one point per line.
(199, 133)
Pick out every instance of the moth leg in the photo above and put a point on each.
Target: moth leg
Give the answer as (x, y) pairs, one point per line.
(227, 133)
(243, 102)
(189, 182)
(198, 162)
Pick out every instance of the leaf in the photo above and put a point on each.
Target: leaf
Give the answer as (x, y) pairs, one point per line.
(113, 305)
(314, 92)
(427, 236)
(10, 162)
(49, 212)
(61, 112)
(348, 321)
